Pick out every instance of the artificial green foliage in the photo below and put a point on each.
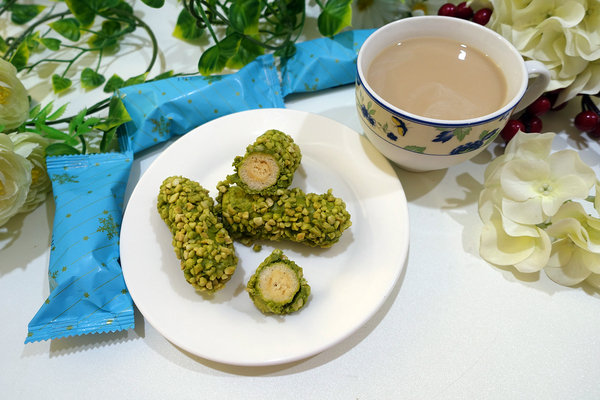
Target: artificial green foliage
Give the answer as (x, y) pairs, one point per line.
(67, 28)
(22, 13)
(60, 83)
(186, 27)
(91, 79)
(256, 26)
(336, 15)
(64, 33)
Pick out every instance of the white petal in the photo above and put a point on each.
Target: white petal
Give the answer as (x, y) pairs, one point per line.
(521, 179)
(524, 212)
(527, 254)
(568, 163)
(565, 266)
(594, 280)
(539, 257)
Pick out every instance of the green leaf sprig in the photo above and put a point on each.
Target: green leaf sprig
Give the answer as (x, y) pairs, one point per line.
(244, 29)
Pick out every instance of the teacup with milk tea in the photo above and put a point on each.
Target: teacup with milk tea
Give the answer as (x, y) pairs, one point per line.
(434, 91)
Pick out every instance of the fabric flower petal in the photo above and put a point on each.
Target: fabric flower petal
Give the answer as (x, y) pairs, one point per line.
(567, 264)
(527, 254)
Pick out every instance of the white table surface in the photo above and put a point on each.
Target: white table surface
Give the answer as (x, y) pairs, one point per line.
(454, 327)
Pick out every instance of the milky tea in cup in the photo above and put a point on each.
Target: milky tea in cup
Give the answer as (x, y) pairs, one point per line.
(434, 91)
(438, 78)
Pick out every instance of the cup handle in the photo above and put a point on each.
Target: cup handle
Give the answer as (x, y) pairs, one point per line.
(539, 77)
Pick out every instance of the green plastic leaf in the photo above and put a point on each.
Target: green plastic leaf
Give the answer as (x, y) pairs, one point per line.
(154, 3)
(164, 75)
(107, 139)
(336, 15)
(114, 82)
(215, 58)
(60, 84)
(3, 45)
(67, 28)
(244, 16)
(135, 80)
(34, 111)
(55, 134)
(58, 113)
(287, 51)
(186, 28)
(21, 56)
(60, 149)
(117, 115)
(82, 11)
(23, 13)
(246, 52)
(90, 79)
(51, 43)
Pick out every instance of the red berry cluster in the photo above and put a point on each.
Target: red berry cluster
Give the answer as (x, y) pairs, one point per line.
(462, 10)
(530, 121)
(588, 120)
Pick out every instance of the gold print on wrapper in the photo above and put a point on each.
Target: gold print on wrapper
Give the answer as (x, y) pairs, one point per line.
(108, 226)
(64, 178)
(161, 126)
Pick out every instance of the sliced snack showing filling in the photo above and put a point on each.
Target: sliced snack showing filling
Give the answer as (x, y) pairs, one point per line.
(278, 285)
(317, 220)
(200, 241)
(269, 163)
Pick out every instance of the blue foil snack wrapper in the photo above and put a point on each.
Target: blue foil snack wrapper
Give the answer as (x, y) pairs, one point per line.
(87, 289)
(174, 106)
(323, 63)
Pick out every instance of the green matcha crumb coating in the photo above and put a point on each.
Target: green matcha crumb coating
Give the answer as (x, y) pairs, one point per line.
(268, 164)
(316, 220)
(278, 285)
(200, 241)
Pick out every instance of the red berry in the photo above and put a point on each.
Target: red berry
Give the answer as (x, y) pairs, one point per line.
(595, 133)
(540, 106)
(587, 121)
(463, 11)
(447, 10)
(510, 130)
(482, 16)
(533, 124)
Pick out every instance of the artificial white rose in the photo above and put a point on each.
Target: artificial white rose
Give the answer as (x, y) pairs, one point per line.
(15, 179)
(33, 147)
(14, 103)
(561, 34)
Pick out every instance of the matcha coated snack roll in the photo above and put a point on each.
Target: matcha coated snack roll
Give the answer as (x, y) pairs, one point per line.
(201, 243)
(278, 285)
(268, 165)
(317, 220)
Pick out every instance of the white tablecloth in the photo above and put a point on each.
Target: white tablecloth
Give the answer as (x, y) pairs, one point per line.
(453, 328)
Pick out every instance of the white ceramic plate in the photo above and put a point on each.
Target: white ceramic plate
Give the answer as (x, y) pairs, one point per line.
(349, 281)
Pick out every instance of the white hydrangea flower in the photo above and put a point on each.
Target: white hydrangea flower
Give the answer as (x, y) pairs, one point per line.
(524, 146)
(15, 179)
(576, 252)
(14, 103)
(504, 242)
(561, 34)
(33, 147)
(535, 189)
